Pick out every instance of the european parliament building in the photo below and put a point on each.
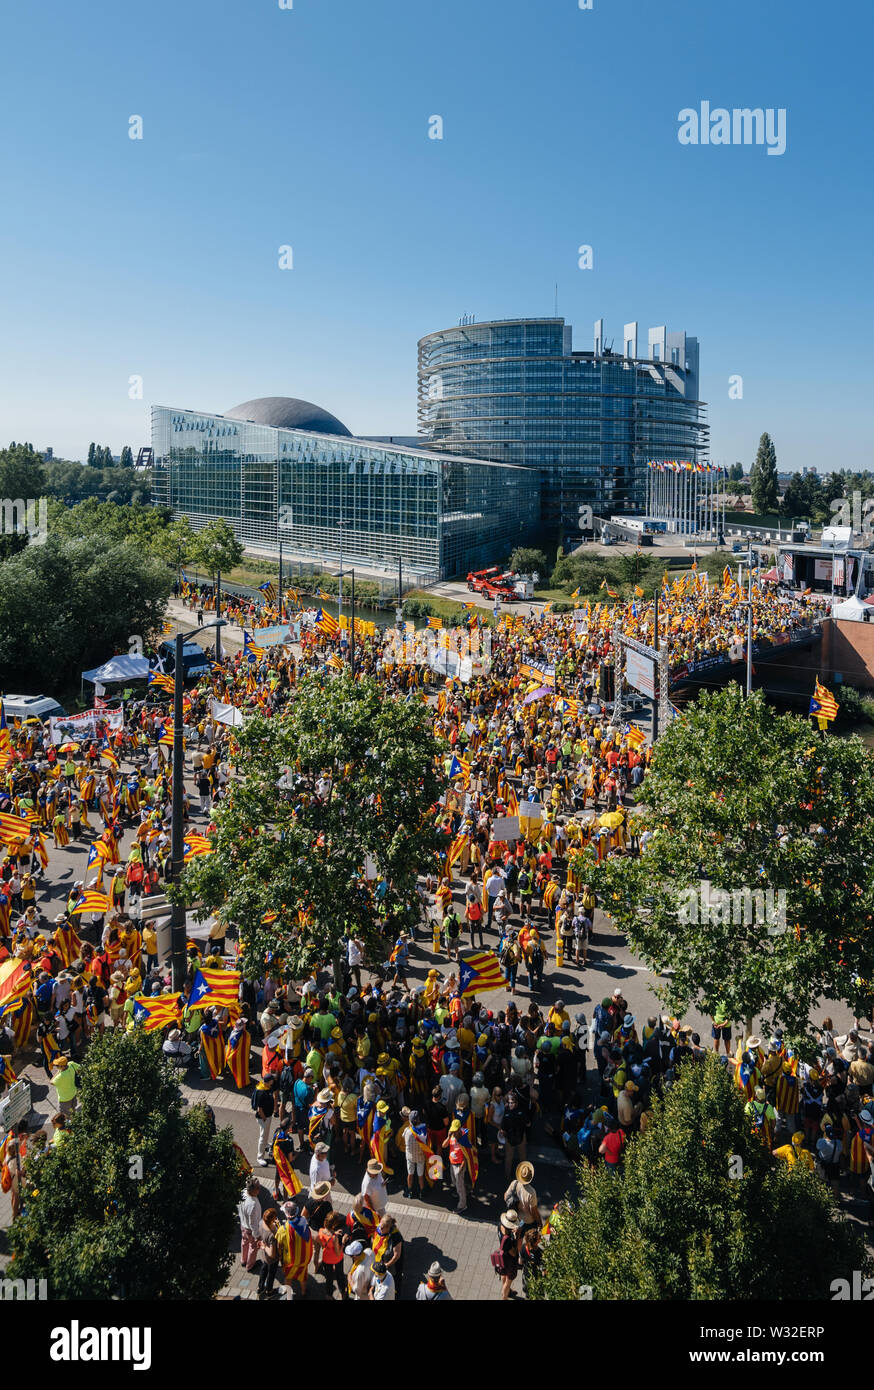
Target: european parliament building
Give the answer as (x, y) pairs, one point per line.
(515, 391)
(284, 470)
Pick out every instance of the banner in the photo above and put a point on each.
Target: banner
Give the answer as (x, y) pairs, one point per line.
(640, 672)
(272, 636)
(530, 816)
(73, 727)
(506, 827)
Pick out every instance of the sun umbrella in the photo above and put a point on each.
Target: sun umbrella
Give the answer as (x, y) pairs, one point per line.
(69, 748)
(611, 819)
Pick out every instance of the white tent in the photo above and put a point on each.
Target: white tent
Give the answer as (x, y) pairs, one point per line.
(853, 610)
(118, 669)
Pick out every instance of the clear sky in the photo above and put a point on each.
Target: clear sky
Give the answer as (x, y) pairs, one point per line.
(308, 127)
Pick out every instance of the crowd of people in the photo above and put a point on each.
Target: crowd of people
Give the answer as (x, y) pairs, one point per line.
(411, 1088)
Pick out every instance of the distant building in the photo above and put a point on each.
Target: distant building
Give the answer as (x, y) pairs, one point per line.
(284, 470)
(515, 391)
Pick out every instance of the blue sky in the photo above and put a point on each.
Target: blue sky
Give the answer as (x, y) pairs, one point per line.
(308, 127)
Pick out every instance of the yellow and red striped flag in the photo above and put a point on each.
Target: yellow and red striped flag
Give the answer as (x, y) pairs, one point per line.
(480, 972)
(89, 900)
(14, 981)
(216, 988)
(157, 1010)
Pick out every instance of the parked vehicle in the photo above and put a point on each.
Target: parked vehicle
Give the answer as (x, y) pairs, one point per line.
(195, 662)
(41, 707)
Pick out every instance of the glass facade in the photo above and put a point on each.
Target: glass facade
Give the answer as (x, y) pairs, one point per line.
(439, 515)
(515, 392)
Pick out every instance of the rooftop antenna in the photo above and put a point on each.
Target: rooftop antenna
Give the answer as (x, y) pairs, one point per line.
(556, 299)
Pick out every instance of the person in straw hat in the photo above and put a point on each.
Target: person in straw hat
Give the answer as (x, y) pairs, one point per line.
(521, 1197)
(373, 1188)
(506, 1257)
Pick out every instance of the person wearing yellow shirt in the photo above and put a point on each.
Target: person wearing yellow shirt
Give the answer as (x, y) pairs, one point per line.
(466, 1038)
(150, 946)
(558, 1015)
(795, 1152)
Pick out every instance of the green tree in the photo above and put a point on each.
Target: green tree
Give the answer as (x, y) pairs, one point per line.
(736, 472)
(796, 499)
(747, 801)
(525, 560)
(139, 1202)
(703, 1212)
(217, 548)
(127, 458)
(92, 455)
(763, 477)
(21, 472)
(303, 857)
(71, 603)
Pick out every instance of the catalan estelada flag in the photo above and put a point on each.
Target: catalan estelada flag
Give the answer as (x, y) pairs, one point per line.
(335, 662)
(5, 745)
(457, 848)
(20, 1020)
(379, 1141)
(14, 981)
(216, 988)
(163, 682)
(153, 1011)
(109, 757)
(295, 1250)
(269, 591)
(823, 703)
(480, 972)
(68, 942)
(284, 1170)
(250, 648)
(327, 624)
(471, 1158)
(435, 622)
(16, 826)
(634, 736)
(212, 1045)
(89, 900)
(237, 1056)
(194, 846)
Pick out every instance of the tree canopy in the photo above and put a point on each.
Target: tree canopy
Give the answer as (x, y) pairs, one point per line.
(703, 1211)
(216, 547)
(749, 802)
(763, 477)
(139, 1201)
(71, 603)
(298, 859)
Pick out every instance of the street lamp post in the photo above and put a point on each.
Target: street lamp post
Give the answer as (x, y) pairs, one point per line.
(177, 835)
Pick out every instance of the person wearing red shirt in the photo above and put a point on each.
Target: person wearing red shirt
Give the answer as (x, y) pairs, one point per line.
(611, 1148)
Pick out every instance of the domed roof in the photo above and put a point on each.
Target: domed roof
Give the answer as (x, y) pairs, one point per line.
(287, 413)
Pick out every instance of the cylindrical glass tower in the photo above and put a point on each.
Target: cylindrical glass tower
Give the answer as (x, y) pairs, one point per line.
(513, 391)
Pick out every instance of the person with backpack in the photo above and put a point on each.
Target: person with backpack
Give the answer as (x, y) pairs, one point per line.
(474, 914)
(263, 1103)
(451, 932)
